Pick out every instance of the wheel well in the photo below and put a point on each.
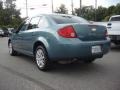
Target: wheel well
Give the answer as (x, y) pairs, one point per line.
(37, 44)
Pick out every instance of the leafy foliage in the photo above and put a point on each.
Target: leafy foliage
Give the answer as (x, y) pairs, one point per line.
(62, 9)
(86, 12)
(9, 16)
(102, 13)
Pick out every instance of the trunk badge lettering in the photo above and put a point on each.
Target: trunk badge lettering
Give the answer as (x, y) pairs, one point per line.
(94, 29)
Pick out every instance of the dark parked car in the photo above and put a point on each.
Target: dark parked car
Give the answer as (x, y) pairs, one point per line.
(1, 32)
(6, 32)
(54, 37)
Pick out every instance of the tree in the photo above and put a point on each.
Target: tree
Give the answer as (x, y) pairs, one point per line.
(9, 3)
(86, 12)
(62, 9)
(111, 10)
(9, 16)
(101, 13)
(1, 5)
(117, 9)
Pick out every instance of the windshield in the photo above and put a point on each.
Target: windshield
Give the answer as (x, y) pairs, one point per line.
(62, 19)
(115, 19)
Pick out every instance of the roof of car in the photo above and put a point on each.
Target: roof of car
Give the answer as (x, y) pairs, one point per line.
(52, 14)
(116, 16)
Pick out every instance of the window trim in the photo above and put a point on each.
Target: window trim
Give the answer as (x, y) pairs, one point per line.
(21, 25)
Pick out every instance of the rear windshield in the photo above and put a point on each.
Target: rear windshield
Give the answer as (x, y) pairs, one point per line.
(115, 19)
(59, 19)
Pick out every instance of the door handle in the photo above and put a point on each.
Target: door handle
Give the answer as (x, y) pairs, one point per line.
(33, 34)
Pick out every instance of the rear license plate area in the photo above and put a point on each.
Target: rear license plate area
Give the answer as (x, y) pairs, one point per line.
(96, 49)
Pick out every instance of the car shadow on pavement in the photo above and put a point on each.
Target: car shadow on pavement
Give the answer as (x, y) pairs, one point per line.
(76, 67)
(115, 48)
(67, 68)
(26, 58)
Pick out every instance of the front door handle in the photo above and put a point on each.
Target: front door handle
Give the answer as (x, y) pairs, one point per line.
(33, 34)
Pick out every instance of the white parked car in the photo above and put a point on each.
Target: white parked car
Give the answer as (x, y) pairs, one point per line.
(1, 32)
(113, 27)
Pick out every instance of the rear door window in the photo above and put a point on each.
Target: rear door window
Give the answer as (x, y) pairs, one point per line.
(34, 23)
(43, 23)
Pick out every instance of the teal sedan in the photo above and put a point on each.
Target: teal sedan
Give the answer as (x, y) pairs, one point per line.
(59, 37)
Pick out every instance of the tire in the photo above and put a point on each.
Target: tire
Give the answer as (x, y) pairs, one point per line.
(89, 60)
(117, 43)
(41, 58)
(2, 36)
(12, 52)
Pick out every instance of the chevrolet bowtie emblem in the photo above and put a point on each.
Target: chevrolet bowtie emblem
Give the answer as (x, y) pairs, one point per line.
(93, 29)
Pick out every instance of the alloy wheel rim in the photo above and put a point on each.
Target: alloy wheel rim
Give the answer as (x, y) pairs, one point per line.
(40, 58)
(10, 48)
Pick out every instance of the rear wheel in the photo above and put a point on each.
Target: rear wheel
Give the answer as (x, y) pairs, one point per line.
(117, 43)
(41, 58)
(12, 52)
(2, 36)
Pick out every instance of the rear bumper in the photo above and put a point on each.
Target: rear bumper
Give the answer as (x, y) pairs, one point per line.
(78, 50)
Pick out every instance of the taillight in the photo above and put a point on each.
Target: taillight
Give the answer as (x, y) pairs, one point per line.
(67, 32)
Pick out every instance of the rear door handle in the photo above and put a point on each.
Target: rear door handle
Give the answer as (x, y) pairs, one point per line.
(33, 34)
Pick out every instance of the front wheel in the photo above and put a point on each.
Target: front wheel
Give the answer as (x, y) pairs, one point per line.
(41, 58)
(117, 43)
(12, 52)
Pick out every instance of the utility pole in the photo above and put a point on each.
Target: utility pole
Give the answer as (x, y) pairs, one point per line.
(52, 6)
(72, 6)
(80, 8)
(26, 8)
(95, 10)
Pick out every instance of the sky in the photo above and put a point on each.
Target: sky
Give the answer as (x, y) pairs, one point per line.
(39, 8)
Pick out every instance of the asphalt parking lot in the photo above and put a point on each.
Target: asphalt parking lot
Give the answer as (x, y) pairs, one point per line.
(20, 73)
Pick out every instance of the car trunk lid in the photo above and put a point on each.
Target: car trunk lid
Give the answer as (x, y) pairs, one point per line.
(88, 32)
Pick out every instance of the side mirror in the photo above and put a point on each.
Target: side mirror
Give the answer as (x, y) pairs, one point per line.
(109, 24)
